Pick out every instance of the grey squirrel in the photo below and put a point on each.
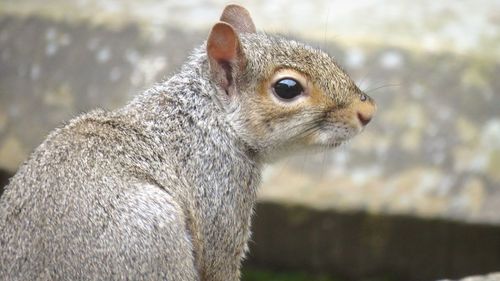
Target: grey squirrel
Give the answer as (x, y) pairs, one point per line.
(163, 188)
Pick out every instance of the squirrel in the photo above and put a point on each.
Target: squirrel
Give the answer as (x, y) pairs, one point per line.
(164, 188)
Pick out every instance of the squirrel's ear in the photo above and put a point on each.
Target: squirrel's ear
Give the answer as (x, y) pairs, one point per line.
(224, 54)
(239, 18)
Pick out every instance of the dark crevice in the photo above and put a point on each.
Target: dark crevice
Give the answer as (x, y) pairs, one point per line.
(4, 179)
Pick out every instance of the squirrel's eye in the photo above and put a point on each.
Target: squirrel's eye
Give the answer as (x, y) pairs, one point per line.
(288, 88)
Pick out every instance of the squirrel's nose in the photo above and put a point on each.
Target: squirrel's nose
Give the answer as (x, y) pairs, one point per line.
(366, 109)
(364, 118)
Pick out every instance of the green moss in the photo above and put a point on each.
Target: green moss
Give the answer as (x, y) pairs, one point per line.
(297, 215)
(480, 72)
(266, 275)
(254, 274)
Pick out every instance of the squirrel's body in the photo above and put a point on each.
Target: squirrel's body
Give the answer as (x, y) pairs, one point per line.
(162, 189)
(162, 169)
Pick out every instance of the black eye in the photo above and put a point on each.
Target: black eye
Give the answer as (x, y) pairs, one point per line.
(288, 88)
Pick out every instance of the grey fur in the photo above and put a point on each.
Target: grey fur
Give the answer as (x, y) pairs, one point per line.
(162, 189)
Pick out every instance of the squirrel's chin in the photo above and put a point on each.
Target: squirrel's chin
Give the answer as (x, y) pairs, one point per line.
(329, 140)
(335, 144)
(332, 145)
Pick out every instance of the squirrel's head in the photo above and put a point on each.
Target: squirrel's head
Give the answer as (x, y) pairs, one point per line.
(281, 95)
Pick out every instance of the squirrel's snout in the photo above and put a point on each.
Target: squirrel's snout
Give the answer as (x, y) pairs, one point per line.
(364, 119)
(366, 109)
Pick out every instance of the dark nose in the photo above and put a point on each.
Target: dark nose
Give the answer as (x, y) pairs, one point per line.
(365, 109)
(364, 118)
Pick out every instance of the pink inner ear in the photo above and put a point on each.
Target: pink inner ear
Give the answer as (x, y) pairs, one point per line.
(222, 43)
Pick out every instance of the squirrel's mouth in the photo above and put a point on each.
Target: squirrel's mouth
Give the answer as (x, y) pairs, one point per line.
(334, 136)
(331, 143)
(322, 147)
(335, 144)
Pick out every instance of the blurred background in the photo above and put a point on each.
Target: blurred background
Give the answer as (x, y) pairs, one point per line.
(415, 197)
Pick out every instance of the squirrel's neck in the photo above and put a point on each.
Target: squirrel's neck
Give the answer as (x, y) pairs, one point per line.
(201, 160)
(185, 114)
(195, 154)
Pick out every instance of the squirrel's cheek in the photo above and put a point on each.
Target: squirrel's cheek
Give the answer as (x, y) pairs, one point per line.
(319, 99)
